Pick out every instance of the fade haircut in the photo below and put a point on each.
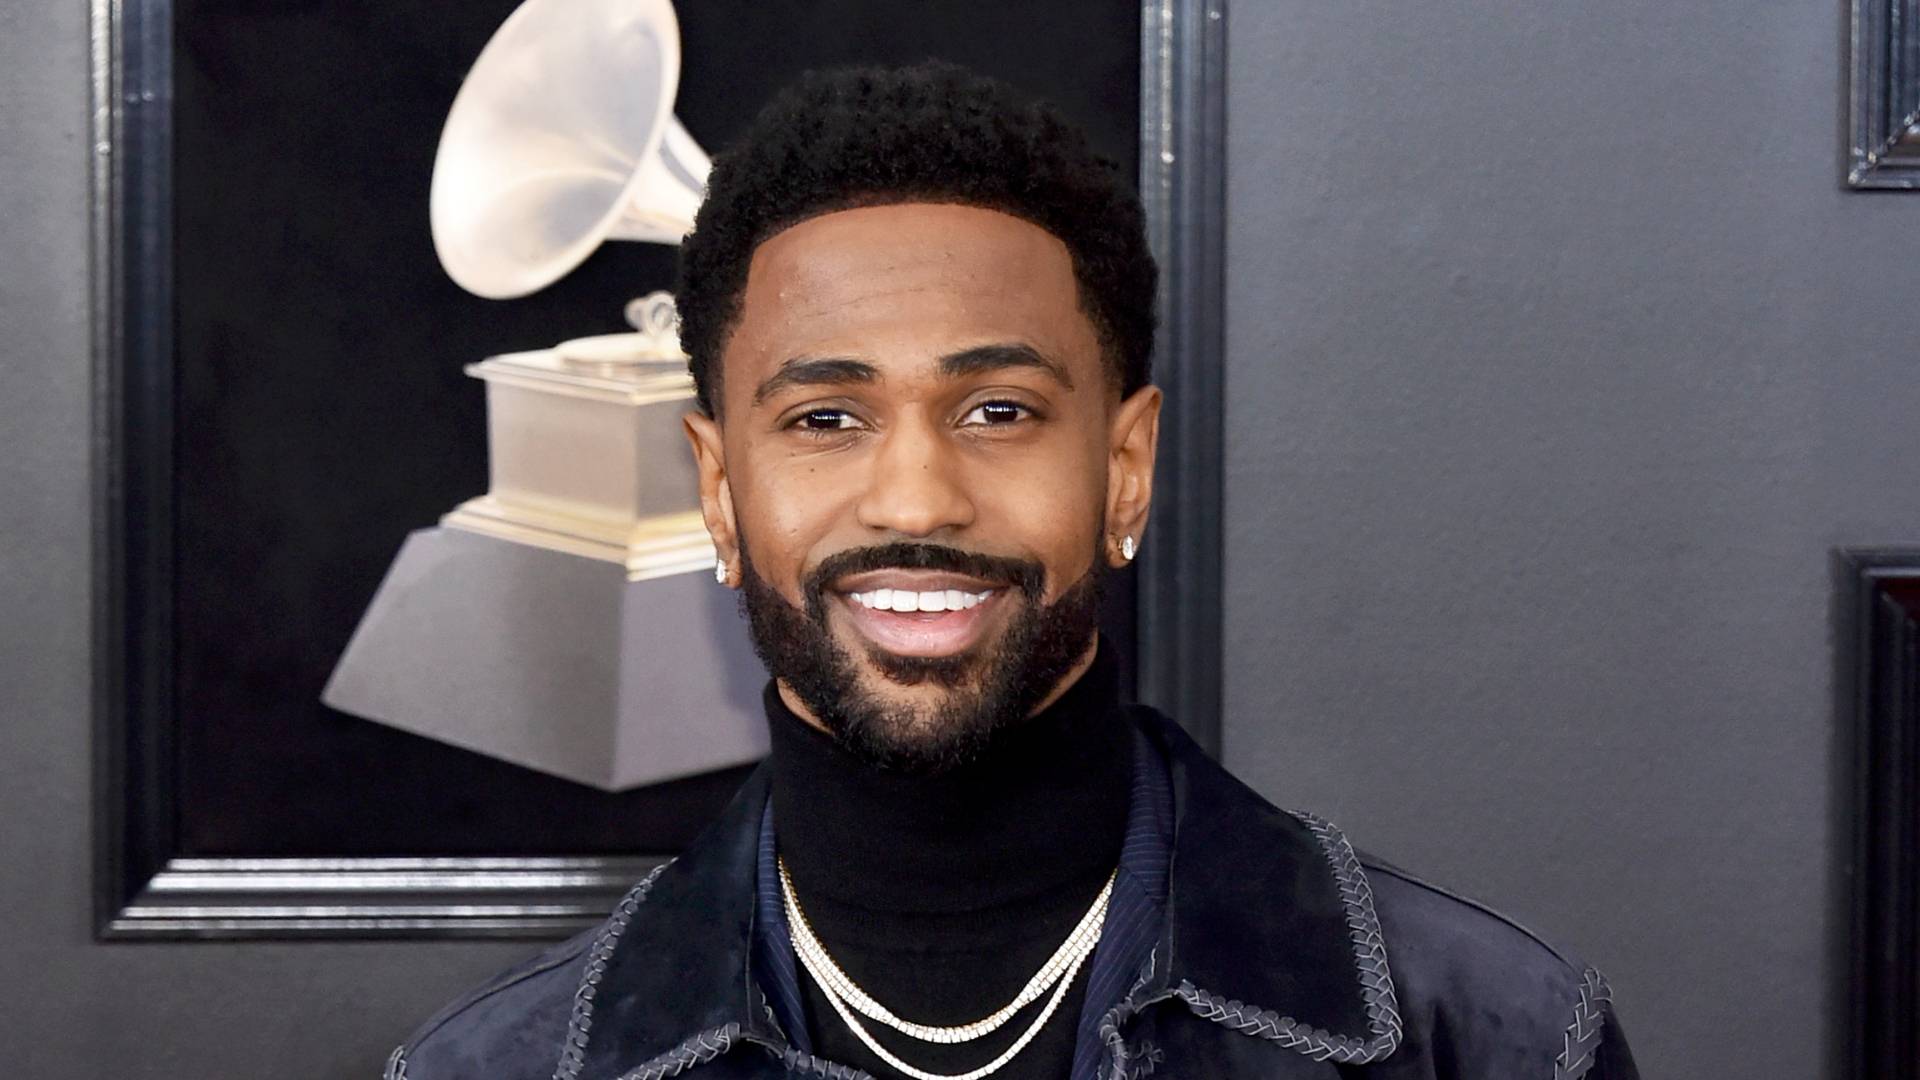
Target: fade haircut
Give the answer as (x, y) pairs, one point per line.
(933, 132)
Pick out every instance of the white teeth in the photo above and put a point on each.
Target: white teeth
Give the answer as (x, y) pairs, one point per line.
(908, 600)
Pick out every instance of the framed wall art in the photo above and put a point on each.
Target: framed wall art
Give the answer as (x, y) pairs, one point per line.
(1880, 668)
(283, 399)
(1883, 138)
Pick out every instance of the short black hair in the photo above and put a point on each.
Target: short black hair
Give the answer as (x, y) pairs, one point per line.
(932, 132)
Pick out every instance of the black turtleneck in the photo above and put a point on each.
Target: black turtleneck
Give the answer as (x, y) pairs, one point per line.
(941, 896)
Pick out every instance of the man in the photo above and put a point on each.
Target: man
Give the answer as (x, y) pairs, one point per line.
(919, 314)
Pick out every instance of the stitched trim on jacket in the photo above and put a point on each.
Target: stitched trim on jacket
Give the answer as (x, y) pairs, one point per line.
(396, 1064)
(1119, 1063)
(697, 1050)
(1583, 1034)
(1370, 962)
(801, 1062)
(580, 1024)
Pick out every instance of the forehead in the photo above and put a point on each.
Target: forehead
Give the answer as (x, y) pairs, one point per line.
(902, 284)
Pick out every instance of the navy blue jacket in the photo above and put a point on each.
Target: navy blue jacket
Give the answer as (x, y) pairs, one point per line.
(1285, 954)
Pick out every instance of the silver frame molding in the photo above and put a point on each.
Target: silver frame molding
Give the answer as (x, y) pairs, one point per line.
(145, 890)
(376, 897)
(1183, 112)
(1883, 149)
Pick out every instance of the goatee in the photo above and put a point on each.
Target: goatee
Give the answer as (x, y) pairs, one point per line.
(991, 687)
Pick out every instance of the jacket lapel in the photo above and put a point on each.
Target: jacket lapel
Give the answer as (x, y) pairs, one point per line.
(1271, 929)
(666, 983)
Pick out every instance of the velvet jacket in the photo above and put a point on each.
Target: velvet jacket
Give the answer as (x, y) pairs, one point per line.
(1284, 954)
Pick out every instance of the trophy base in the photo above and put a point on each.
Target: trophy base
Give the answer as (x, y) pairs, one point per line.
(556, 661)
(658, 546)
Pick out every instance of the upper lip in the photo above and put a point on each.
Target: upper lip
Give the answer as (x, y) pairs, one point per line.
(913, 581)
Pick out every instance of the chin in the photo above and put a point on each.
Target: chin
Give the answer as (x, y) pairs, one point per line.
(921, 678)
(915, 739)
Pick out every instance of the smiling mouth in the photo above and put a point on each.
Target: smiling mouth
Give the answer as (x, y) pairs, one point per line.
(908, 600)
(914, 613)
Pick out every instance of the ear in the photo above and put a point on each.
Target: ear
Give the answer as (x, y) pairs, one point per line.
(1132, 439)
(716, 498)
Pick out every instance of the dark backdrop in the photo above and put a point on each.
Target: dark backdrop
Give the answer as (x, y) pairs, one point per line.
(323, 413)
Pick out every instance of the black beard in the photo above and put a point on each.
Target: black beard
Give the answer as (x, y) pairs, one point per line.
(992, 687)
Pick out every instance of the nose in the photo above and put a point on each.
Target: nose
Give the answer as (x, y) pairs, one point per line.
(915, 488)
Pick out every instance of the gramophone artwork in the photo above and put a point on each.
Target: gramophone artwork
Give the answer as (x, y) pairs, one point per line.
(566, 620)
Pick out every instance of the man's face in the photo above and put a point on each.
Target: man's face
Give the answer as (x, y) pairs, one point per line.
(919, 468)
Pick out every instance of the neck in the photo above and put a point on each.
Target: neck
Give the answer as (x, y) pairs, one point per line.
(1042, 809)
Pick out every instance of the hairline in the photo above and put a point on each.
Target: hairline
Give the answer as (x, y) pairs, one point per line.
(1111, 359)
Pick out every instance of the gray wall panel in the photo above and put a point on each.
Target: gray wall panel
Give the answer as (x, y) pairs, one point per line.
(68, 1007)
(1557, 360)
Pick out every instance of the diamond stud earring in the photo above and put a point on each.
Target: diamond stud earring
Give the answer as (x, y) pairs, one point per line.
(1126, 548)
(720, 571)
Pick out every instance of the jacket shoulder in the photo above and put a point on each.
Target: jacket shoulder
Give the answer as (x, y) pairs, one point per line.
(510, 1027)
(1476, 985)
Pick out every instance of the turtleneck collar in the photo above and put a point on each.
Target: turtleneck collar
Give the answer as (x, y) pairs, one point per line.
(1043, 807)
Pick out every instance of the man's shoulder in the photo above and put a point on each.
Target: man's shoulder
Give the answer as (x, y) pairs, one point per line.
(1439, 978)
(1434, 926)
(511, 1027)
(1455, 960)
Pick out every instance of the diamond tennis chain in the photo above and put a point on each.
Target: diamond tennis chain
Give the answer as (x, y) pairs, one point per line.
(847, 998)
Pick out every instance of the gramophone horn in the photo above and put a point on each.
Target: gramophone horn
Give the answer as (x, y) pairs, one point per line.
(563, 136)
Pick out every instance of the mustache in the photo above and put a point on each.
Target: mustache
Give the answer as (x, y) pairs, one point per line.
(1026, 575)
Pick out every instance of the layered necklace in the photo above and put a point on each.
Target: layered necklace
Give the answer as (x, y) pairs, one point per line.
(847, 998)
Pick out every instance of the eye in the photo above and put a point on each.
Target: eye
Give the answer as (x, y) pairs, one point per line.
(825, 420)
(994, 413)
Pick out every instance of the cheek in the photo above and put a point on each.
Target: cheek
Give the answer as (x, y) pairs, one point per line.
(1051, 508)
(786, 512)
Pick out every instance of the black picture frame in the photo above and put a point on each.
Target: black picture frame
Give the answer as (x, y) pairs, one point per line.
(147, 888)
(1883, 115)
(1880, 665)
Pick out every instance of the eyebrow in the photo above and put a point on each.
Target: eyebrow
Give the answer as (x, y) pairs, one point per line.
(806, 371)
(840, 371)
(985, 358)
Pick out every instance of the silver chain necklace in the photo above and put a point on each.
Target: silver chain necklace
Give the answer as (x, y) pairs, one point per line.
(847, 998)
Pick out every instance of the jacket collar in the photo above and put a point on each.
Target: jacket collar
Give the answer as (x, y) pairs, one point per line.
(667, 982)
(1270, 925)
(1270, 930)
